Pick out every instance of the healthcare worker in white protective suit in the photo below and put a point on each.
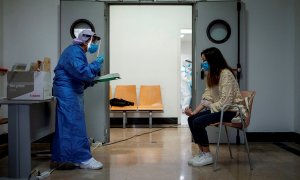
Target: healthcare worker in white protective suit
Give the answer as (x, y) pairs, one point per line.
(73, 74)
(186, 84)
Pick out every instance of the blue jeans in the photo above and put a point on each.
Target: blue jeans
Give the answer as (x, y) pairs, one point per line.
(198, 123)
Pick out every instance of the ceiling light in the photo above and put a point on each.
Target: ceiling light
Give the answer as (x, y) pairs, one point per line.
(186, 31)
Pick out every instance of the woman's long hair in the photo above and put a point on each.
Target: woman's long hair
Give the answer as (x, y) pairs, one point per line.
(216, 63)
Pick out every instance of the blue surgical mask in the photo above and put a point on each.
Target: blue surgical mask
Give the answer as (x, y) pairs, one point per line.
(93, 48)
(205, 66)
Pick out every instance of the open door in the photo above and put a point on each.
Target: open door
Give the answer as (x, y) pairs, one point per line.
(83, 15)
(215, 25)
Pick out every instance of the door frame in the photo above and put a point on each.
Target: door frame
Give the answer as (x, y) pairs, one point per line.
(192, 4)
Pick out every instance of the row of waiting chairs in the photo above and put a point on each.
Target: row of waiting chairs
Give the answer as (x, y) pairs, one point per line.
(150, 100)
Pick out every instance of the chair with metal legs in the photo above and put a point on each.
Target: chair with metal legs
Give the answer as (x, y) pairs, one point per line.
(240, 122)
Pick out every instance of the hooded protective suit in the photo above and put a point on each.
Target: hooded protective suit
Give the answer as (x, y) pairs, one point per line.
(73, 74)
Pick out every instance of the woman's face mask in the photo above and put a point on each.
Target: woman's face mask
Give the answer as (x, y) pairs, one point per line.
(205, 66)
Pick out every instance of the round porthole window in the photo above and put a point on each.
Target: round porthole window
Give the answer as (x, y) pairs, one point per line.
(218, 31)
(79, 25)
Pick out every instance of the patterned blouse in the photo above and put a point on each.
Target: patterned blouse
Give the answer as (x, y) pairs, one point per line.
(226, 92)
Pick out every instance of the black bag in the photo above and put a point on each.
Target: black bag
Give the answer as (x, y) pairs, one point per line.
(120, 102)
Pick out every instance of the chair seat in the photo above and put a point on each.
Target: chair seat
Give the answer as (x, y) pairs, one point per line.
(236, 120)
(151, 108)
(234, 125)
(124, 108)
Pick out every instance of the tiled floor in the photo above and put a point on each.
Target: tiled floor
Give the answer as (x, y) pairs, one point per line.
(163, 154)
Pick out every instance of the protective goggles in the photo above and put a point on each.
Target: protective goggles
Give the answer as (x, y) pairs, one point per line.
(94, 38)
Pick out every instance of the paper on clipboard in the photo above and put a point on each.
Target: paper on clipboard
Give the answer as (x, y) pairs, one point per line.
(108, 77)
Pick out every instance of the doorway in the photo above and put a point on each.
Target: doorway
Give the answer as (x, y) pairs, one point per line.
(186, 72)
(145, 49)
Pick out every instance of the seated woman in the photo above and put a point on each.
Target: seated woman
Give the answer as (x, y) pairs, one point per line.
(221, 88)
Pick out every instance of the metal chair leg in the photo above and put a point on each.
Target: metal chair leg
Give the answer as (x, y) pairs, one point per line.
(218, 143)
(217, 149)
(228, 142)
(124, 119)
(150, 119)
(247, 147)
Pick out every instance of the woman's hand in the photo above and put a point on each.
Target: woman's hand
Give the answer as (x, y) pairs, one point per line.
(188, 111)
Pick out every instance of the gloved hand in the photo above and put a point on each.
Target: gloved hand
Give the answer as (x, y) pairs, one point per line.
(100, 59)
(205, 103)
(89, 84)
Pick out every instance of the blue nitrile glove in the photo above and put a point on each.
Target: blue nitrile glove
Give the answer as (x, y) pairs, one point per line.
(100, 59)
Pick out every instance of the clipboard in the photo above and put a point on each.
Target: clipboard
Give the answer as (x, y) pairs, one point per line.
(108, 77)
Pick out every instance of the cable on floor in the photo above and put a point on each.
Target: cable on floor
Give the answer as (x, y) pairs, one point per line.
(46, 174)
(137, 135)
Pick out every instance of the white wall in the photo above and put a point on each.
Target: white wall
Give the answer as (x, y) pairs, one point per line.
(297, 66)
(145, 48)
(30, 31)
(270, 56)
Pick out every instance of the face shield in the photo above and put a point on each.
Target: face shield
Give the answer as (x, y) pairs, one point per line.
(94, 45)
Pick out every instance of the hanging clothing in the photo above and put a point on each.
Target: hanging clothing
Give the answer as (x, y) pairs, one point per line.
(73, 74)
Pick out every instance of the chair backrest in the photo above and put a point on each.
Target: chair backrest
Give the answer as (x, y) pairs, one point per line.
(128, 93)
(150, 97)
(249, 97)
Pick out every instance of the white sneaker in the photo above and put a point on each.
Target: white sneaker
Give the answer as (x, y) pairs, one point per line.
(195, 158)
(91, 164)
(205, 159)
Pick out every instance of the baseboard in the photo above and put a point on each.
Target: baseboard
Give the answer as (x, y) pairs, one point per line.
(273, 137)
(143, 121)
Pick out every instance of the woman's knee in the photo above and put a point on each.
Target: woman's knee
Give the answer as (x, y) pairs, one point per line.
(199, 123)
